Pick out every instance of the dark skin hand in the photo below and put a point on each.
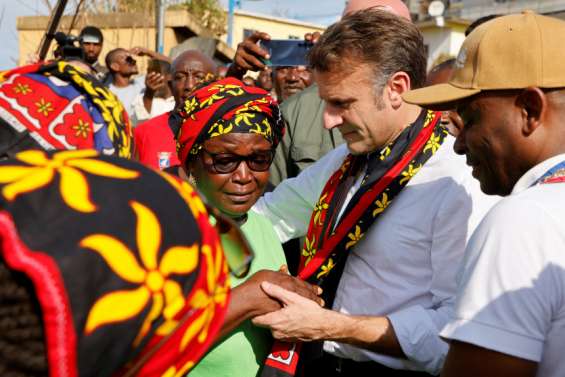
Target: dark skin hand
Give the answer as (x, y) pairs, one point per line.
(153, 82)
(249, 55)
(142, 51)
(467, 360)
(248, 300)
(312, 37)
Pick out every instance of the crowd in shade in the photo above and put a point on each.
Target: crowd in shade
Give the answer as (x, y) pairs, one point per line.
(354, 214)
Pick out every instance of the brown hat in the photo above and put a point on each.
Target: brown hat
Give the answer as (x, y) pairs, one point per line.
(510, 52)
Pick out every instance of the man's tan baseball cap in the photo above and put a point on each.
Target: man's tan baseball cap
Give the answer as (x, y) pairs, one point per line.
(510, 52)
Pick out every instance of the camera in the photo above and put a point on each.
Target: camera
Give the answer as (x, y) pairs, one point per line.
(68, 47)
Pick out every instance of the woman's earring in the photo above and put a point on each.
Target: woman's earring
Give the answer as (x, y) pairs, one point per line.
(192, 180)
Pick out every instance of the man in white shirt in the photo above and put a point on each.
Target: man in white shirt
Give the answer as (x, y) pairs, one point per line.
(123, 70)
(508, 87)
(398, 167)
(157, 97)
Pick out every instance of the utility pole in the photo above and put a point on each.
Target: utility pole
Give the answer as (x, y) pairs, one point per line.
(51, 29)
(231, 10)
(159, 25)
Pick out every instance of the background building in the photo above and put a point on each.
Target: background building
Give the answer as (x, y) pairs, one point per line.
(443, 40)
(138, 29)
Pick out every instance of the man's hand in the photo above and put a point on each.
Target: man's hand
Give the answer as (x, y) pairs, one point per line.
(142, 51)
(303, 320)
(312, 37)
(249, 55)
(153, 82)
(300, 319)
(262, 303)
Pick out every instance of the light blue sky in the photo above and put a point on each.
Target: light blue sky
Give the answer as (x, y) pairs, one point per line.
(316, 11)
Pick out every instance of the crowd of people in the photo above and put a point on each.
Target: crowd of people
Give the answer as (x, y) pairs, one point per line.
(375, 218)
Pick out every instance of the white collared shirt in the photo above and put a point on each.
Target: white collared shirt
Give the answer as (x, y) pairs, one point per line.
(511, 295)
(405, 266)
(159, 106)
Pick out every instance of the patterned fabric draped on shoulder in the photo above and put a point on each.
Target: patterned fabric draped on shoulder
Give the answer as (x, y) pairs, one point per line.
(113, 265)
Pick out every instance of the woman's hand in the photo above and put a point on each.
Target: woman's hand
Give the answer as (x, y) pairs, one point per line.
(248, 300)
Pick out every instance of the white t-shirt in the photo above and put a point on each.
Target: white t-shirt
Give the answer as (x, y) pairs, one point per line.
(511, 295)
(159, 106)
(404, 268)
(127, 94)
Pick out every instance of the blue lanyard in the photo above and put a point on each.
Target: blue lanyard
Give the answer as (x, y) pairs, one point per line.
(551, 172)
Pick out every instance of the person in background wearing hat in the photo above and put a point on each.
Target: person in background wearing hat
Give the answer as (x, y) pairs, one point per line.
(92, 41)
(509, 88)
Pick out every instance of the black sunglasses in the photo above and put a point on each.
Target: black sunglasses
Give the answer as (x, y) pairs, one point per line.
(224, 163)
(130, 60)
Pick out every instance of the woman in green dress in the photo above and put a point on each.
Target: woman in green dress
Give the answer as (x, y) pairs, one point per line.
(226, 146)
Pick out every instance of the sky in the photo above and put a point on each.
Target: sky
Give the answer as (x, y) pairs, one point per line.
(315, 11)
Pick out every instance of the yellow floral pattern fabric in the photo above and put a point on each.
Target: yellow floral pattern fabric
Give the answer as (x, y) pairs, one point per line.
(138, 271)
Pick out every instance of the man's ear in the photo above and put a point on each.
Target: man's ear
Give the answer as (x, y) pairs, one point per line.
(398, 84)
(114, 67)
(533, 104)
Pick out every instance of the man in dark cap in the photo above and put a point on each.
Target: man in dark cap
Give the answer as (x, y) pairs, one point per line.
(91, 41)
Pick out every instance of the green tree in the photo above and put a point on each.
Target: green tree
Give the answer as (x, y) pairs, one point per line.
(210, 13)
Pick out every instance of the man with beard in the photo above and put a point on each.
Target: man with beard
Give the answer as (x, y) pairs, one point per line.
(92, 41)
(508, 87)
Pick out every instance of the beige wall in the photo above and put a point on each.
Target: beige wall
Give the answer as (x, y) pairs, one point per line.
(443, 41)
(29, 41)
(119, 30)
(131, 30)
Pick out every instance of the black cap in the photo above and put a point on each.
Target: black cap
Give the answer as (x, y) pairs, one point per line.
(91, 34)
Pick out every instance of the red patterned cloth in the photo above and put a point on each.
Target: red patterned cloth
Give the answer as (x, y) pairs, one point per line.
(61, 107)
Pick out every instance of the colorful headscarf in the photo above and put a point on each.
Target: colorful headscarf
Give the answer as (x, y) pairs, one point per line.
(62, 107)
(124, 278)
(227, 106)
